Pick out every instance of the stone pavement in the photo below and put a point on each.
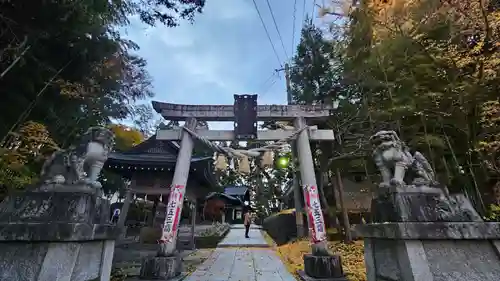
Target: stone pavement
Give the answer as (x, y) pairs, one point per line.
(238, 226)
(242, 263)
(236, 238)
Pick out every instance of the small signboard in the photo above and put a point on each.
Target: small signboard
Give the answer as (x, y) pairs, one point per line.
(245, 117)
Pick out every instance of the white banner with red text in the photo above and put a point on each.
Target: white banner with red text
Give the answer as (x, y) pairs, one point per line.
(173, 213)
(314, 213)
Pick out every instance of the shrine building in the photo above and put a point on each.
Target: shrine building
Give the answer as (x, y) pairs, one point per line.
(150, 168)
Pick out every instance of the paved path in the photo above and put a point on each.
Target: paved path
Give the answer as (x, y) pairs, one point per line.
(242, 226)
(236, 238)
(243, 263)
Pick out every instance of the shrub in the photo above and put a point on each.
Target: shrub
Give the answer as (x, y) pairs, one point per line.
(493, 213)
(150, 235)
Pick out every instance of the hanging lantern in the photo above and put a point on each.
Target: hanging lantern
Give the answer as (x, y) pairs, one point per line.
(220, 162)
(267, 159)
(244, 165)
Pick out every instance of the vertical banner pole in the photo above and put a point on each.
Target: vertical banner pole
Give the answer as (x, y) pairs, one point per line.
(168, 240)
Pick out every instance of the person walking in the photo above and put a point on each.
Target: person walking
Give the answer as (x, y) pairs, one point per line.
(247, 222)
(116, 216)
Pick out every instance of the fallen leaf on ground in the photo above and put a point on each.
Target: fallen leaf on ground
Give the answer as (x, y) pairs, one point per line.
(352, 255)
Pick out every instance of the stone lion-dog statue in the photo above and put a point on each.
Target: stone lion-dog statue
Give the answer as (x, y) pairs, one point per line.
(397, 165)
(81, 163)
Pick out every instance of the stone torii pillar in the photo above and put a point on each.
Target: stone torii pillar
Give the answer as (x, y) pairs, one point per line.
(167, 263)
(320, 264)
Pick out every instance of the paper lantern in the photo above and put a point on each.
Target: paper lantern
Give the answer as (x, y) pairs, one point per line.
(267, 159)
(221, 162)
(244, 165)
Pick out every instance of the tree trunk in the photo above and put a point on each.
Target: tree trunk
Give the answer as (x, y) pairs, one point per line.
(334, 202)
(347, 226)
(324, 180)
(324, 203)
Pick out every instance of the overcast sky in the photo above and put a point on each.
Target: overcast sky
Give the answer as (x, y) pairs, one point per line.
(224, 52)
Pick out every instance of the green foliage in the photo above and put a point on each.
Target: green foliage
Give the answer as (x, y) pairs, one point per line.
(493, 213)
(429, 70)
(118, 274)
(312, 76)
(65, 68)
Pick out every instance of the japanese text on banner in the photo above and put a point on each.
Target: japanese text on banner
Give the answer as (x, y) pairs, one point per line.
(173, 211)
(315, 214)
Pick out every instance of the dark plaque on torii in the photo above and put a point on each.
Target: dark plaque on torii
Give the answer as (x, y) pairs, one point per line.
(245, 117)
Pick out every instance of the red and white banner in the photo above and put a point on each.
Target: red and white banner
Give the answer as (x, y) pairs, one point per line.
(314, 213)
(173, 213)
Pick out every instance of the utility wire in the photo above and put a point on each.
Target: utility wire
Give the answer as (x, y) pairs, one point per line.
(267, 32)
(276, 26)
(293, 30)
(269, 87)
(269, 79)
(269, 82)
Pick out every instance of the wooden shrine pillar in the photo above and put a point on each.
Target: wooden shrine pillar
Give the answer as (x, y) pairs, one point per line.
(193, 224)
(125, 208)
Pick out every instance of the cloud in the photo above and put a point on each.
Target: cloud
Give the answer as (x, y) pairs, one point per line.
(224, 52)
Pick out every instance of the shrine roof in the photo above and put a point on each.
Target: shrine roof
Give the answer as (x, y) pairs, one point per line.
(151, 152)
(236, 190)
(148, 158)
(217, 194)
(156, 155)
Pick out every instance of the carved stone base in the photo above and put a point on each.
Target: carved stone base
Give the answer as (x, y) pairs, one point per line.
(322, 268)
(161, 268)
(67, 205)
(422, 234)
(433, 251)
(55, 236)
(421, 204)
(42, 261)
(303, 276)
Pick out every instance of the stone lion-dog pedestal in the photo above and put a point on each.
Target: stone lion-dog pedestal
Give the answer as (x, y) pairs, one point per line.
(430, 237)
(420, 232)
(59, 229)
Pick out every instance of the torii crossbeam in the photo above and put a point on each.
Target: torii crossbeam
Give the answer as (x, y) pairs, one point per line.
(180, 112)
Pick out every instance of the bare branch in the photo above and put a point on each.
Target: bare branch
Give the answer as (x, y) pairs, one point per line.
(17, 58)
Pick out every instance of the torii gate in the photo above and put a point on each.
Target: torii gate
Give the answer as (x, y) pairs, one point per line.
(246, 110)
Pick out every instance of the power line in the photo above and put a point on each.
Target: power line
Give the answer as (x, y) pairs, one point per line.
(267, 32)
(268, 79)
(276, 26)
(268, 88)
(294, 20)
